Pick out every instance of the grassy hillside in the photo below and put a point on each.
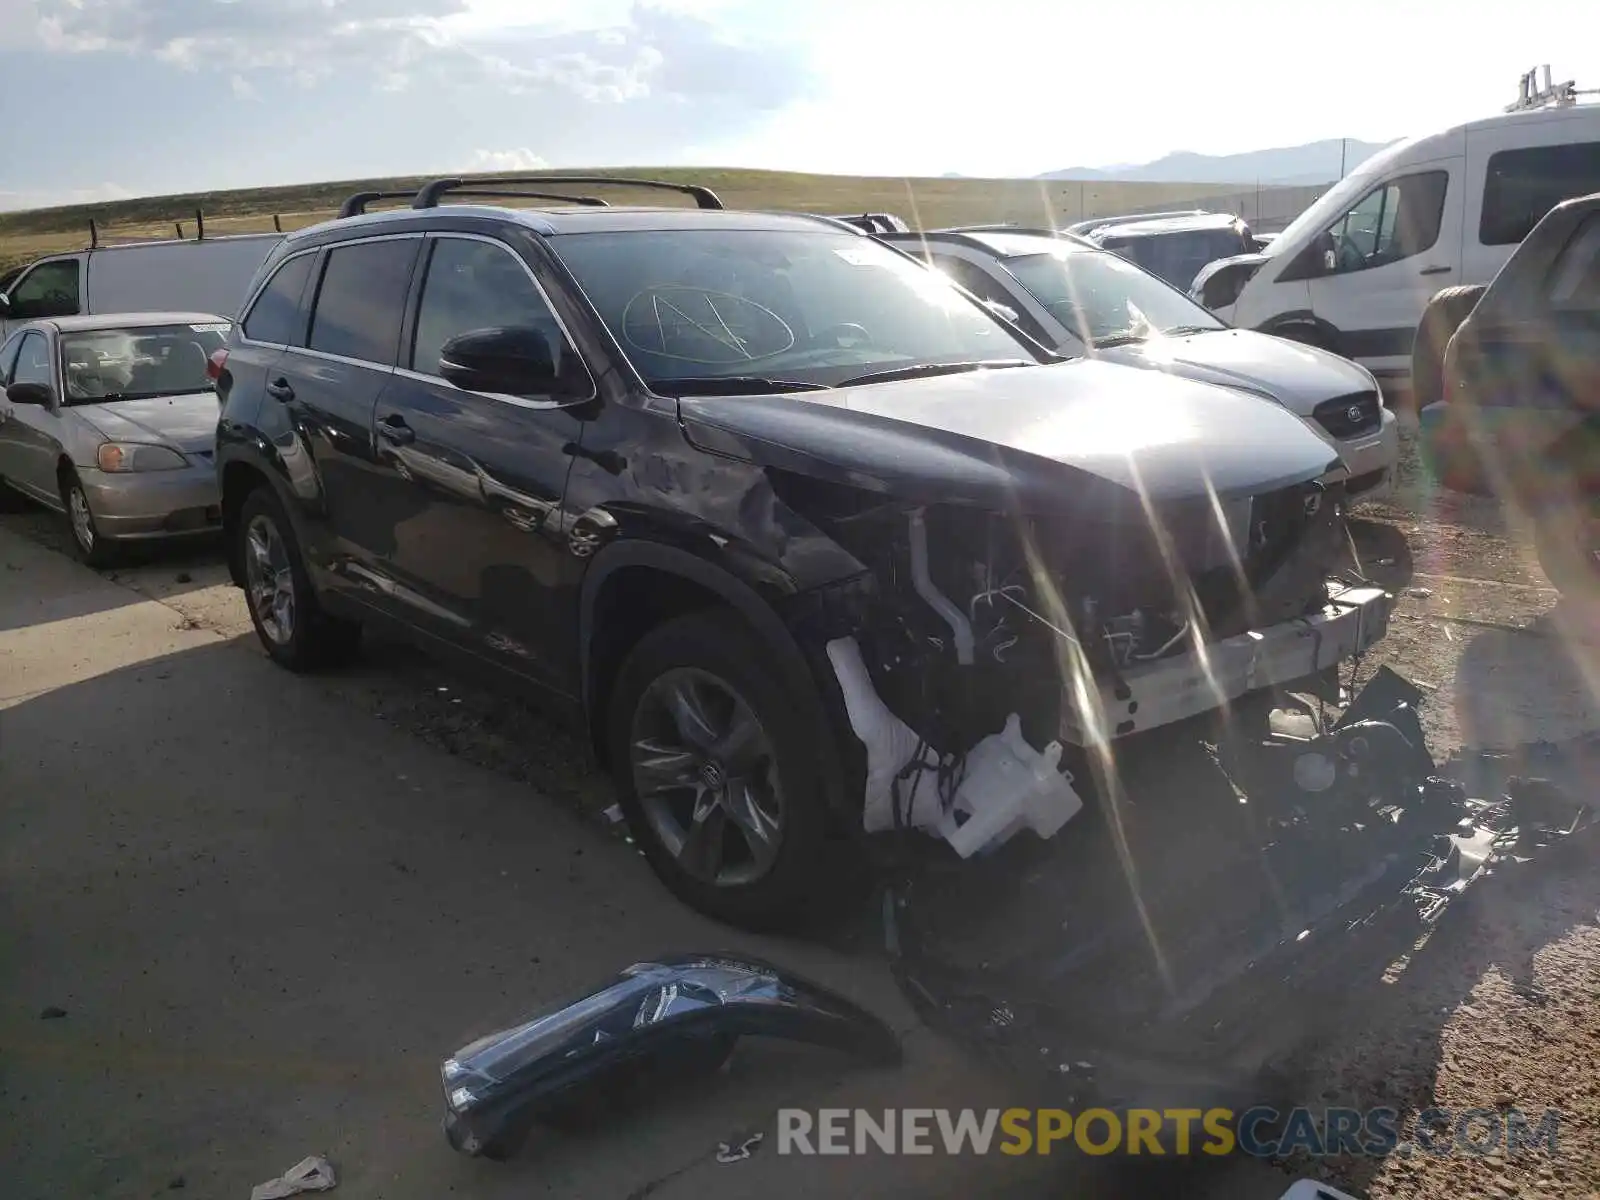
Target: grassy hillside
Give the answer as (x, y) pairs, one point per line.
(925, 202)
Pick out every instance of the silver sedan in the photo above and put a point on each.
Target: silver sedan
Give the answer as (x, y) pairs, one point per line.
(112, 421)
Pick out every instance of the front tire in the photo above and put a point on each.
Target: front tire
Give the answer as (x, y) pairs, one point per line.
(1443, 315)
(291, 625)
(92, 547)
(717, 777)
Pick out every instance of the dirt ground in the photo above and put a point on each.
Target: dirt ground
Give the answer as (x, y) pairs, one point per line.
(1506, 1012)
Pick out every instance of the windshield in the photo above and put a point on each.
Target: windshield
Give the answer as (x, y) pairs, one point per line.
(1103, 298)
(138, 363)
(792, 307)
(1333, 203)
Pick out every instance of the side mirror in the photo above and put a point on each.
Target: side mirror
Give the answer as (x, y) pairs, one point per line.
(41, 394)
(515, 361)
(1004, 311)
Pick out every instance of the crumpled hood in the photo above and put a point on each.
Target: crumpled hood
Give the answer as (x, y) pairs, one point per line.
(187, 423)
(1016, 438)
(1299, 377)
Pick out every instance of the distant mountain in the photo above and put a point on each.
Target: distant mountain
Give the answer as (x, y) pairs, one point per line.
(1314, 162)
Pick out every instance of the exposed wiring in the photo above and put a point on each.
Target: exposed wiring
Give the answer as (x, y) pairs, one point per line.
(1182, 633)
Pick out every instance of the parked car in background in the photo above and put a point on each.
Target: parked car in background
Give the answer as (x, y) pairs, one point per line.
(1353, 273)
(206, 275)
(1079, 299)
(111, 420)
(1175, 248)
(690, 475)
(1521, 410)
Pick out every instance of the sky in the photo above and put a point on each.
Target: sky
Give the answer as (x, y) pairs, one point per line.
(108, 98)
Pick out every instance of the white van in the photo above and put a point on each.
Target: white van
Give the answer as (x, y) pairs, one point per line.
(1353, 272)
(197, 275)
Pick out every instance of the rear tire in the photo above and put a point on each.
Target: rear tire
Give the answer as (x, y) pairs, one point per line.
(657, 737)
(288, 620)
(1440, 319)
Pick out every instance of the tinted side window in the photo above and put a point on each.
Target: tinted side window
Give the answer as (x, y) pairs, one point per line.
(8, 356)
(477, 285)
(1392, 222)
(977, 281)
(275, 316)
(1521, 186)
(33, 360)
(49, 290)
(362, 298)
(1575, 282)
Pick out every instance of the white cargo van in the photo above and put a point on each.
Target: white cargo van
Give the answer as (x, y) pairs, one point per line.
(197, 275)
(1353, 273)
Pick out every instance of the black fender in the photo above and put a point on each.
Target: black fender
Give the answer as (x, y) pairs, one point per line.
(677, 1013)
(1303, 325)
(245, 446)
(787, 657)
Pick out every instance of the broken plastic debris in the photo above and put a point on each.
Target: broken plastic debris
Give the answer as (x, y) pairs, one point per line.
(1421, 593)
(730, 1152)
(613, 815)
(890, 743)
(314, 1174)
(1310, 1189)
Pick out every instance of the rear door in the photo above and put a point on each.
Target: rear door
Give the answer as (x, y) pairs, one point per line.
(319, 399)
(1394, 248)
(477, 554)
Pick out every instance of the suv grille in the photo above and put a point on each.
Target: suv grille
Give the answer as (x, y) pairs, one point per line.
(1350, 416)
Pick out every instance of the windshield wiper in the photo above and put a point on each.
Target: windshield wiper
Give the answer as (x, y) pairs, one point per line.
(731, 385)
(1185, 330)
(925, 370)
(1118, 339)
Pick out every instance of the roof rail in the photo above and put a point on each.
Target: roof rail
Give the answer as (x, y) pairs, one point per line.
(1005, 227)
(357, 204)
(1135, 218)
(431, 193)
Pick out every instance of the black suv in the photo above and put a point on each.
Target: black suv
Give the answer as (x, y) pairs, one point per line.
(650, 462)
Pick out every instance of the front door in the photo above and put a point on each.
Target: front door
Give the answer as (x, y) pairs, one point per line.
(481, 551)
(1396, 247)
(51, 288)
(29, 433)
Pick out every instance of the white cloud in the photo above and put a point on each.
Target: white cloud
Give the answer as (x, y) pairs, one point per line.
(485, 161)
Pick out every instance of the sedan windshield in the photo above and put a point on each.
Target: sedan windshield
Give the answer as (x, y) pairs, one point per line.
(778, 307)
(1104, 299)
(138, 363)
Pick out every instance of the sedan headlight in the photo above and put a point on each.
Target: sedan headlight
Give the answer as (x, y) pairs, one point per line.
(135, 456)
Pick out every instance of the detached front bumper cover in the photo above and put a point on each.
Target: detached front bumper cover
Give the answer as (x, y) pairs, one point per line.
(675, 1017)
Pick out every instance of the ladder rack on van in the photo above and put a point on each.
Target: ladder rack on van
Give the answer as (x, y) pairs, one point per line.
(199, 231)
(1534, 93)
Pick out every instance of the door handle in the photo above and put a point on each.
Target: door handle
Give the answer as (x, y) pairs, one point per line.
(394, 429)
(1434, 270)
(279, 389)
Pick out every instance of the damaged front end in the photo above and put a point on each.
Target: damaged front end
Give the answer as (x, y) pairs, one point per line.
(985, 650)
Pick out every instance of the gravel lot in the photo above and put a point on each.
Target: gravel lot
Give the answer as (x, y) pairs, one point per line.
(1506, 1009)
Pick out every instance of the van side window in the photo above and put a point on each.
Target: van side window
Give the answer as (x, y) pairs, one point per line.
(1575, 283)
(362, 298)
(1392, 222)
(276, 317)
(49, 290)
(1521, 186)
(476, 285)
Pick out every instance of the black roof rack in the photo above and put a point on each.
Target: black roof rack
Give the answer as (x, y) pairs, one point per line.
(357, 204)
(1002, 227)
(431, 193)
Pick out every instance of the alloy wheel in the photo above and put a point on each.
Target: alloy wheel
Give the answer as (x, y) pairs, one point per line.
(706, 778)
(82, 519)
(269, 579)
